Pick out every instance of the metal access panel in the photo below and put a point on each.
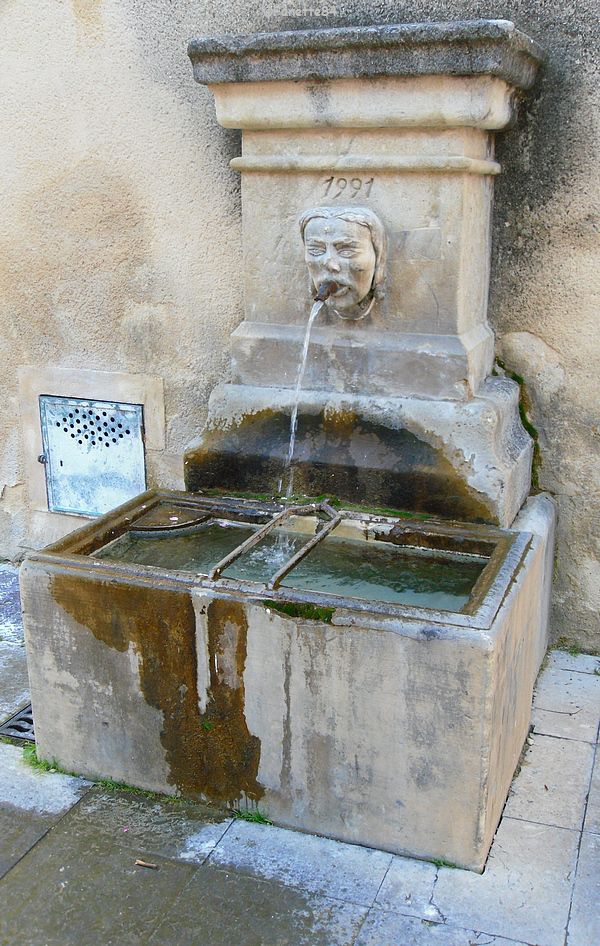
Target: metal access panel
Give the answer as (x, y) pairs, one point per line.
(93, 453)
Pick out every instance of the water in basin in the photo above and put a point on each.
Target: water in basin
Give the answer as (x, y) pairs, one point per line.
(381, 571)
(371, 570)
(368, 569)
(267, 557)
(195, 551)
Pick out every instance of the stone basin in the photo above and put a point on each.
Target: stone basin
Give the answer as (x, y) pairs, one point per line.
(374, 720)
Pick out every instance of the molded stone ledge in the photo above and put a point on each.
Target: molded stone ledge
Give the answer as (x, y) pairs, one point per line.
(366, 362)
(444, 164)
(376, 102)
(463, 48)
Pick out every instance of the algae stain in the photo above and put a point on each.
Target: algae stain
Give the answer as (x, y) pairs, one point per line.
(340, 422)
(210, 754)
(525, 413)
(340, 453)
(286, 746)
(232, 753)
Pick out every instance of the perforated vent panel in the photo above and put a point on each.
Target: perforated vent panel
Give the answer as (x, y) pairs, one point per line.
(93, 452)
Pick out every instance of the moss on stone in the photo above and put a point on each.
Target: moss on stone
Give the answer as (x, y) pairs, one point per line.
(524, 414)
(310, 612)
(302, 499)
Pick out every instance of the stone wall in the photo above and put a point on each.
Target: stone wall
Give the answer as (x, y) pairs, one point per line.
(121, 233)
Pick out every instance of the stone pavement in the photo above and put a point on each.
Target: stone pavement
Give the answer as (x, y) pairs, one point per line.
(68, 852)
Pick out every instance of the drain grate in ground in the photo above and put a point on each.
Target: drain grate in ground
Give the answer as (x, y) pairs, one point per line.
(19, 725)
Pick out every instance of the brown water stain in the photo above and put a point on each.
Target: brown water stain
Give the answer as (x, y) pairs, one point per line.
(211, 754)
(340, 454)
(234, 757)
(88, 14)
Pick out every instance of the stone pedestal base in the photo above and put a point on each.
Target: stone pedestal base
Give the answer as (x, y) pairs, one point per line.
(467, 460)
(361, 360)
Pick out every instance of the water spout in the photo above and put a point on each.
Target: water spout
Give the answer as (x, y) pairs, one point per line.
(326, 289)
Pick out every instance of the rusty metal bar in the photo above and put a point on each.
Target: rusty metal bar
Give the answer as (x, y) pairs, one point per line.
(293, 561)
(216, 570)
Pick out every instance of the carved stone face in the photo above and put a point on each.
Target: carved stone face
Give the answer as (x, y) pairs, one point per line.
(341, 250)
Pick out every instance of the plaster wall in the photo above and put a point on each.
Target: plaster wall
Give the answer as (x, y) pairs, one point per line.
(121, 239)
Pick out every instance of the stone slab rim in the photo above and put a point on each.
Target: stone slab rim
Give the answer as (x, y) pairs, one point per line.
(462, 47)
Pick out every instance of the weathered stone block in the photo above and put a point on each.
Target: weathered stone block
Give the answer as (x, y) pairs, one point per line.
(461, 48)
(394, 729)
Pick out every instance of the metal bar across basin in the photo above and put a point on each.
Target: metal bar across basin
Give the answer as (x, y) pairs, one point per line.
(293, 561)
(217, 569)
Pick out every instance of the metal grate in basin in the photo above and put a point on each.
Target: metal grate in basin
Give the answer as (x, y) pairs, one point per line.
(19, 725)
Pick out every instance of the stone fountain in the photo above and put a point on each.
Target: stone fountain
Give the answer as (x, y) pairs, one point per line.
(365, 712)
(398, 406)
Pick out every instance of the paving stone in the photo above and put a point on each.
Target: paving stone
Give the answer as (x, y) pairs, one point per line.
(567, 704)
(14, 682)
(393, 929)
(525, 890)
(19, 831)
(219, 908)
(82, 889)
(172, 827)
(553, 783)
(582, 663)
(316, 865)
(199, 844)
(408, 887)
(30, 789)
(10, 604)
(592, 818)
(584, 925)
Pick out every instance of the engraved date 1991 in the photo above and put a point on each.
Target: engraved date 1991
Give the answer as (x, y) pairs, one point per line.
(349, 186)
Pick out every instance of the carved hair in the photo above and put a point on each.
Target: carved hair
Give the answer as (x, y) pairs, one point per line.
(366, 218)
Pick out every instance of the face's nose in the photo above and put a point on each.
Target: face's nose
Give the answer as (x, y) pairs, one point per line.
(331, 261)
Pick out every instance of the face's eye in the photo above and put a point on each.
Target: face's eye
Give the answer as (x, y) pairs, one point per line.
(315, 249)
(347, 250)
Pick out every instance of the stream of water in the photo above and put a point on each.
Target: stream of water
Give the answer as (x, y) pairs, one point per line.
(294, 418)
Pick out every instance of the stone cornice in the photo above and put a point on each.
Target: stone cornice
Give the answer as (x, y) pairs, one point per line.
(459, 48)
